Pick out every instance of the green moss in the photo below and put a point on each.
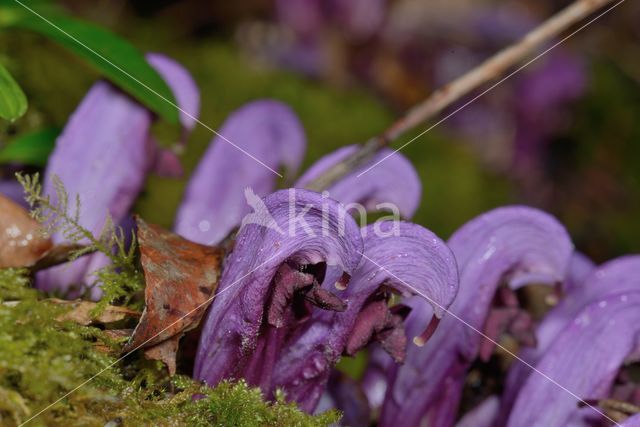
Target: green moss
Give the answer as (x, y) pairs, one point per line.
(43, 360)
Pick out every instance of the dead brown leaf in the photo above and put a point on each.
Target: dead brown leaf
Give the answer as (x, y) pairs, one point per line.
(181, 278)
(81, 312)
(165, 352)
(21, 242)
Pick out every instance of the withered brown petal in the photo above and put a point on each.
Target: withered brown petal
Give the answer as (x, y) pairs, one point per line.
(81, 312)
(21, 243)
(181, 278)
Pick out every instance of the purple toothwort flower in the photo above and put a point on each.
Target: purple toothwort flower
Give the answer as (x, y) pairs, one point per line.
(617, 276)
(264, 131)
(496, 253)
(411, 262)
(585, 358)
(103, 156)
(271, 280)
(393, 183)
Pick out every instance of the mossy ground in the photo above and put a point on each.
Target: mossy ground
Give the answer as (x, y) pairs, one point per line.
(43, 359)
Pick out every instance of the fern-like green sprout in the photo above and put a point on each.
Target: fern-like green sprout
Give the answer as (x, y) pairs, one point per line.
(121, 280)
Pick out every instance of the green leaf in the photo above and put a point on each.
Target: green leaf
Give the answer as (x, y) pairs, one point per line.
(31, 149)
(115, 58)
(13, 102)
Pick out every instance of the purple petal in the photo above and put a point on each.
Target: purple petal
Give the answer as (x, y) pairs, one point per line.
(632, 421)
(260, 301)
(100, 157)
(580, 267)
(345, 394)
(392, 181)
(214, 202)
(506, 245)
(619, 275)
(374, 380)
(585, 359)
(165, 160)
(103, 156)
(409, 260)
(181, 84)
(13, 190)
(482, 415)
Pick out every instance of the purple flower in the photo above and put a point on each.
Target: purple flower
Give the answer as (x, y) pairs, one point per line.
(585, 358)
(633, 421)
(393, 183)
(345, 394)
(270, 280)
(616, 276)
(514, 246)
(408, 261)
(103, 156)
(13, 190)
(482, 415)
(261, 131)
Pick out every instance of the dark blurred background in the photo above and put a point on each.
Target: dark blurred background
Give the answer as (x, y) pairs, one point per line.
(562, 135)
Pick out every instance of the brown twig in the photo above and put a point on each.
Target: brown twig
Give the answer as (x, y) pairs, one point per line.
(59, 254)
(490, 70)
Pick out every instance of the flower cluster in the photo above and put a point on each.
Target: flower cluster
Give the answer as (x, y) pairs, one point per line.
(305, 284)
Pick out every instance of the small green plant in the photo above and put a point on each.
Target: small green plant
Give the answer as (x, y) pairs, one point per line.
(121, 280)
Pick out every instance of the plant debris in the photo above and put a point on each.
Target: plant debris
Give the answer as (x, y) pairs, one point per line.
(181, 278)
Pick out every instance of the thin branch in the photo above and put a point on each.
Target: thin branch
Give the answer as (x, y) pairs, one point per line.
(490, 70)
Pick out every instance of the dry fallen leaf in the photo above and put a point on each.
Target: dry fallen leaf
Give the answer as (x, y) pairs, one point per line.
(181, 278)
(81, 312)
(165, 351)
(113, 334)
(21, 242)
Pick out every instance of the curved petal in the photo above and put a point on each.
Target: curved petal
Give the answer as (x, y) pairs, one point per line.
(392, 181)
(103, 157)
(512, 245)
(165, 160)
(585, 359)
(580, 267)
(214, 202)
(402, 257)
(619, 275)
(274, 271)
(181, 84)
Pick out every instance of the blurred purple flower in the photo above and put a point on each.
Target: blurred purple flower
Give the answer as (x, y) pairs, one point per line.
(12, 189)
(513, 245)
(104, 155)
(214, 201)
(541, 98)
(394, 183)
(633, 421)
(482, 415)
(430, 44)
